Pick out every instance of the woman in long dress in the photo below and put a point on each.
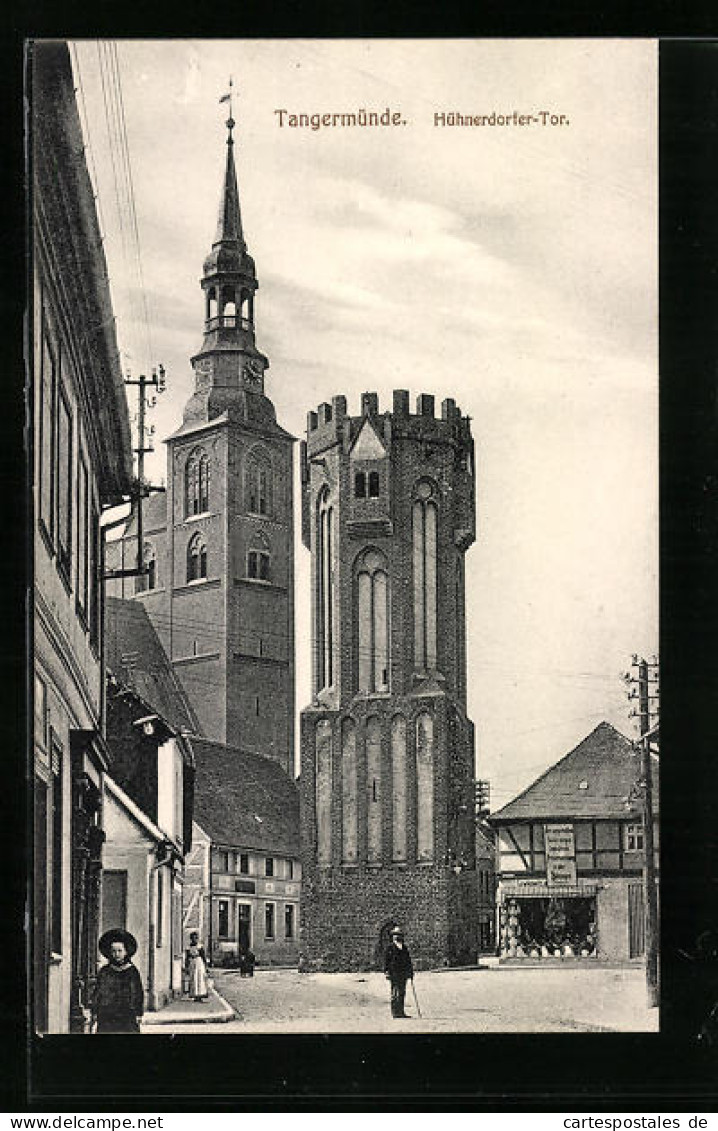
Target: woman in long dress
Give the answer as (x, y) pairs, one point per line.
(119, 998)
(195, 965)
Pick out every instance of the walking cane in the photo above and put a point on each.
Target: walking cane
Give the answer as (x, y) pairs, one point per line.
(413, 987)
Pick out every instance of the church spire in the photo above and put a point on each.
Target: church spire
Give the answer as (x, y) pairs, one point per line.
(228, 366)
(229, 220)
(229, 278)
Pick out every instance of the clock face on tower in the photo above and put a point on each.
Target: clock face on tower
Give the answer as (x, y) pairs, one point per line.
(203, 370)
(253, 373)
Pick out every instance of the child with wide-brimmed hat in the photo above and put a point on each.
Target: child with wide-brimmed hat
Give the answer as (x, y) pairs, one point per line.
(119, 999)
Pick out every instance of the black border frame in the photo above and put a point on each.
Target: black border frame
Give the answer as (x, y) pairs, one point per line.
(474, 1073)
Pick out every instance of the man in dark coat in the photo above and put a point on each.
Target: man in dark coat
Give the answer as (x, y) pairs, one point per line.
(398, 969)
(119, 999)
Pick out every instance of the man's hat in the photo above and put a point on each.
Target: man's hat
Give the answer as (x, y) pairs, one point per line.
(397, 931)
(117, 935)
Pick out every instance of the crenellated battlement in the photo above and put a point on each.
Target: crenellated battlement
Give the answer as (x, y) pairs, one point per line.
(331, 424)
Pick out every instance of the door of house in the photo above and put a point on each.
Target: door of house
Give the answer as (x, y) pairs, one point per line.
(114, 899)
(636, 921)
(244, 913)
(40, 945)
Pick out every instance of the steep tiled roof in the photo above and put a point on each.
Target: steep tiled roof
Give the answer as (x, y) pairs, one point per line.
(137, 659)
(605, 760)
(154, 514)
(245, 800)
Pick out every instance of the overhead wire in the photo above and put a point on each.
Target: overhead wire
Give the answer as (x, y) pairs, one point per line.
(131, 193)
(110, 122)
(136, 328)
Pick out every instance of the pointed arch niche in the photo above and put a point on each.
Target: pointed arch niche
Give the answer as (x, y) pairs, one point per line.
(325, 590)
(425, 787)
(374, 790)
(349, 793)
(398, 788)
(425, 516)
(323, 786)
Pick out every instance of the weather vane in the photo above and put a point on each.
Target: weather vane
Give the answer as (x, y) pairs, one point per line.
(228, 98)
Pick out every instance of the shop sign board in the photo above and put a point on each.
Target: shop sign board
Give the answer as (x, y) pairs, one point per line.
(560, 871)
(559, 842)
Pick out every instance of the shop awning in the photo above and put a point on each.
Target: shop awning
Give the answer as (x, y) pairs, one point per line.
(543, 891)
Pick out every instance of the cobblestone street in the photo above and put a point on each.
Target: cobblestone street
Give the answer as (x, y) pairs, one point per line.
(486, 1000)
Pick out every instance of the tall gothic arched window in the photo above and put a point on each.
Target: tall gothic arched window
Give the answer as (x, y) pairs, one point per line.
(325, 590)
(258, 480)
(197, 475)
(196, 558)
(425, 525)
(372, 585)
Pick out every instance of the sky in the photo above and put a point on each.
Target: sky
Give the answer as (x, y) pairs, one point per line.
(512, 268)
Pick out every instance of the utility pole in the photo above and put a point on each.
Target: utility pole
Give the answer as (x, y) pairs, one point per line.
(482, 798)
(142, 489)
(643, 679)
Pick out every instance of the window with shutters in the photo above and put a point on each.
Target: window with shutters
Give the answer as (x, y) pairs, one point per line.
(47, 439)
(83, 540)
(65, 482)
(41, 713)
(58, 872)
(94, 568)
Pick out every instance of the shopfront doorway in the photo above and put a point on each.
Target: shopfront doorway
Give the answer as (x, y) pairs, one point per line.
(244, 924)
(548, 926)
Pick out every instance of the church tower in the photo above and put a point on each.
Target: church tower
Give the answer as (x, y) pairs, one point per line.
(387, 766)
(221, 591)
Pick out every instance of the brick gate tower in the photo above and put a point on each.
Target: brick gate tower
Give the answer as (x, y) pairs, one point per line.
(387, 750)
